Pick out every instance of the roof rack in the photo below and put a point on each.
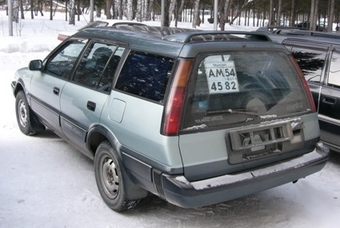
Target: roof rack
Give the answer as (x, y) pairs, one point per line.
(186, 35)
(153, 30)
(216, 36)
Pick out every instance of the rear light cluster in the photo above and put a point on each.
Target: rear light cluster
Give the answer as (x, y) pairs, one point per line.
(305, 84)
(174, 105)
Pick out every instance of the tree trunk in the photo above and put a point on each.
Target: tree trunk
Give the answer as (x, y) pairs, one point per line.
(166, 22)
(72, 20)
(245, 4)
(180, 10)
(108, 4)
(32, 9)
(331, 16)
(139, 13)
(279, 9)
(224, 14)
(120, 9)
(195, 19)
(51, 10)
(312, 15)
(271, 13)
(22, 10)
(171, 8)
(292, 14)
(129, 10)
(79, 12)
(66, 9)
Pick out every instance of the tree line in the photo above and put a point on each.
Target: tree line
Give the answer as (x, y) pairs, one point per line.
(314, 14)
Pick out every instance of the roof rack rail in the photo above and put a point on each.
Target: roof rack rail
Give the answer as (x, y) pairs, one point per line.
(187, 37)
(281, 30)
(153, 30)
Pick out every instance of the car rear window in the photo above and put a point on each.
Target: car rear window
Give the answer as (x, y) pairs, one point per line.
(240, 87)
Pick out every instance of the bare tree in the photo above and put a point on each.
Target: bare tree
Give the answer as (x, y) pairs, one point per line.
(240, 9)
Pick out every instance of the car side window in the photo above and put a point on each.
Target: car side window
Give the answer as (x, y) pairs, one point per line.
(334, 70)
(145, 75)
(311, 61)
(62, 62)
(98, 65)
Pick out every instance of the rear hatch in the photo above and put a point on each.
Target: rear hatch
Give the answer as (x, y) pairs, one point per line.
(244, 109)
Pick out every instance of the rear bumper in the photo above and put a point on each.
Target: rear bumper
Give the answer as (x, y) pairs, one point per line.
(177, 190)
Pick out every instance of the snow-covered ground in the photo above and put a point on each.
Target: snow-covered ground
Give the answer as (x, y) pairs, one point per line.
(44, 182)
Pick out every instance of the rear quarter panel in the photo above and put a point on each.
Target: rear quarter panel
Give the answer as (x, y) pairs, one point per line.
(136, 124)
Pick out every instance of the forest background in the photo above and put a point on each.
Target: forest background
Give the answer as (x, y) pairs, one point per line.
(322, 13)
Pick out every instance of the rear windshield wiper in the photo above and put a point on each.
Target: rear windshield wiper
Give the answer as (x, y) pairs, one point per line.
(235, 111)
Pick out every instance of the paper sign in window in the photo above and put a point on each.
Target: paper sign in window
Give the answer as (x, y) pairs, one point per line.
(221, 77)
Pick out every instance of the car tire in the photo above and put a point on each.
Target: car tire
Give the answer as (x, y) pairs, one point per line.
(23, 114)
(111, 179)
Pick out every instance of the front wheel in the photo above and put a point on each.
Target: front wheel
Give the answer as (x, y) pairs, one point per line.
(110, 179)
(23, 114)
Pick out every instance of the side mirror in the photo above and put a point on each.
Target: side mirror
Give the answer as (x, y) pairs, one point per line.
(35, 65)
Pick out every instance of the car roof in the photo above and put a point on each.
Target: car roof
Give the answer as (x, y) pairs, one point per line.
(177, 41)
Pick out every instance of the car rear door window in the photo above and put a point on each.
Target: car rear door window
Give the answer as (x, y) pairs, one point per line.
(145, 75)
(98, 66)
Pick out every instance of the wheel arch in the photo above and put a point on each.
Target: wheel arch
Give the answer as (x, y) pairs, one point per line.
(18, 87)
(98, 134)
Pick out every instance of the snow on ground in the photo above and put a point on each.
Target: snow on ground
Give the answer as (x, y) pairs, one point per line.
(44, 182)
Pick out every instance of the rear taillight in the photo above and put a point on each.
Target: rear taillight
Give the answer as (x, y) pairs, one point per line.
(174, 105)
(305, 84)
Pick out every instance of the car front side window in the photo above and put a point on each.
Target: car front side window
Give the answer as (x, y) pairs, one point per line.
(62, 62)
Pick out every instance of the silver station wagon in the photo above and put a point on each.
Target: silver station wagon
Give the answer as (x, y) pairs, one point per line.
(194, 117)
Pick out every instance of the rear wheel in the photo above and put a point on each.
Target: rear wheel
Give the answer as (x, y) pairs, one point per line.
(110, 179)
(23, 114)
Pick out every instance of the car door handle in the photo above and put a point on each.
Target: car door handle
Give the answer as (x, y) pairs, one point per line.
(56, 90)
(329, 100)
(91, 106)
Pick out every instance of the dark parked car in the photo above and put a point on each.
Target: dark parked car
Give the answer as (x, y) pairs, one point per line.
(318, 55)
(194, 117)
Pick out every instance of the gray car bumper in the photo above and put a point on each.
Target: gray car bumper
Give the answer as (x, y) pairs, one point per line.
(181, 192)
